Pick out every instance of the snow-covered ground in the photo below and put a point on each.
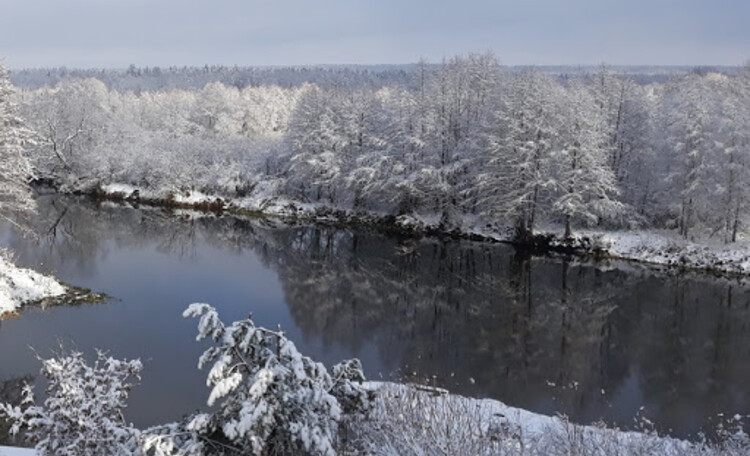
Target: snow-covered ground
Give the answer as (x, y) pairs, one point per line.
(667, 248)
(417, 420)
(19, 286)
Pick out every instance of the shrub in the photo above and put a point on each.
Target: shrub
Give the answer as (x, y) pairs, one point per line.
(82, 414)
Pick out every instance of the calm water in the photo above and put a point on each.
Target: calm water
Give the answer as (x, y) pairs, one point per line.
(543, 334)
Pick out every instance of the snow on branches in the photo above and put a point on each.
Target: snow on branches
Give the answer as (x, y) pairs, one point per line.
(15, 167)
(82, 415)
(466, 142)
(273, 400)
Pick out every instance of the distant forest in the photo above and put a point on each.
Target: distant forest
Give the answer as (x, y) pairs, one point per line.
(362, 76)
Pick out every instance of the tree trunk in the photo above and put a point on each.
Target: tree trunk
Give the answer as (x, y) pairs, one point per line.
(736, 225)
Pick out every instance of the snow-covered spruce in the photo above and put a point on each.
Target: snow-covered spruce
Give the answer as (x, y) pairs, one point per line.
(19, 286)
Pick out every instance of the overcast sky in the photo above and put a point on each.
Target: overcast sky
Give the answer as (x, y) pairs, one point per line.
(116, 33)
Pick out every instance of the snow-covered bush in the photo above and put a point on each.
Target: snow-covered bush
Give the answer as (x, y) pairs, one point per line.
(82, 414)
(425, 421)
(271, 399)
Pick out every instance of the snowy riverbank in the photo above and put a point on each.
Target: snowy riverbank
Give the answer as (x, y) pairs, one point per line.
(669, 249)
(19, 286)
(660, 247)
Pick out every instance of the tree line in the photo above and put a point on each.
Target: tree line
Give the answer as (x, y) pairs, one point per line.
(464, 143)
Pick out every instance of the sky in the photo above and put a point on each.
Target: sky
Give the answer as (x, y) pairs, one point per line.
(117, 33)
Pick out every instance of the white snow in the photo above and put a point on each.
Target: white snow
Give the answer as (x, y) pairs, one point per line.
(193, 197)
(19, 286)
(127, 191)
(412, 408)
(667, 248)
(118, 188)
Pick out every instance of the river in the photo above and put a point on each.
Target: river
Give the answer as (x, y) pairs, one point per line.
(596, 341)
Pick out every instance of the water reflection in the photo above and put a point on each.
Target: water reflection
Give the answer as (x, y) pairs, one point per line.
(545, 334)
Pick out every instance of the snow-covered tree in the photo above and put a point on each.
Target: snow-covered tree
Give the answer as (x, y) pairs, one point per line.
(74, 122)
(702, 153)
(15, 168)
(627, 111)
(317, 141)
(586, 185)
(216, 110)
(685, 119)
(733, 149)
(519, 167)
(271, 399)
(83, 412)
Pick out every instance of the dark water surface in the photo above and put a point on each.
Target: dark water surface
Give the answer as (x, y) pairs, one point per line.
(592, 341)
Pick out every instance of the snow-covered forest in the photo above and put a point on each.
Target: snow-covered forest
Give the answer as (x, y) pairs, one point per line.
(466, 141)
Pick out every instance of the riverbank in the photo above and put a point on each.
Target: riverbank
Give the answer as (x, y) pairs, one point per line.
(21, 286)
(666, 248)
(658, 247)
